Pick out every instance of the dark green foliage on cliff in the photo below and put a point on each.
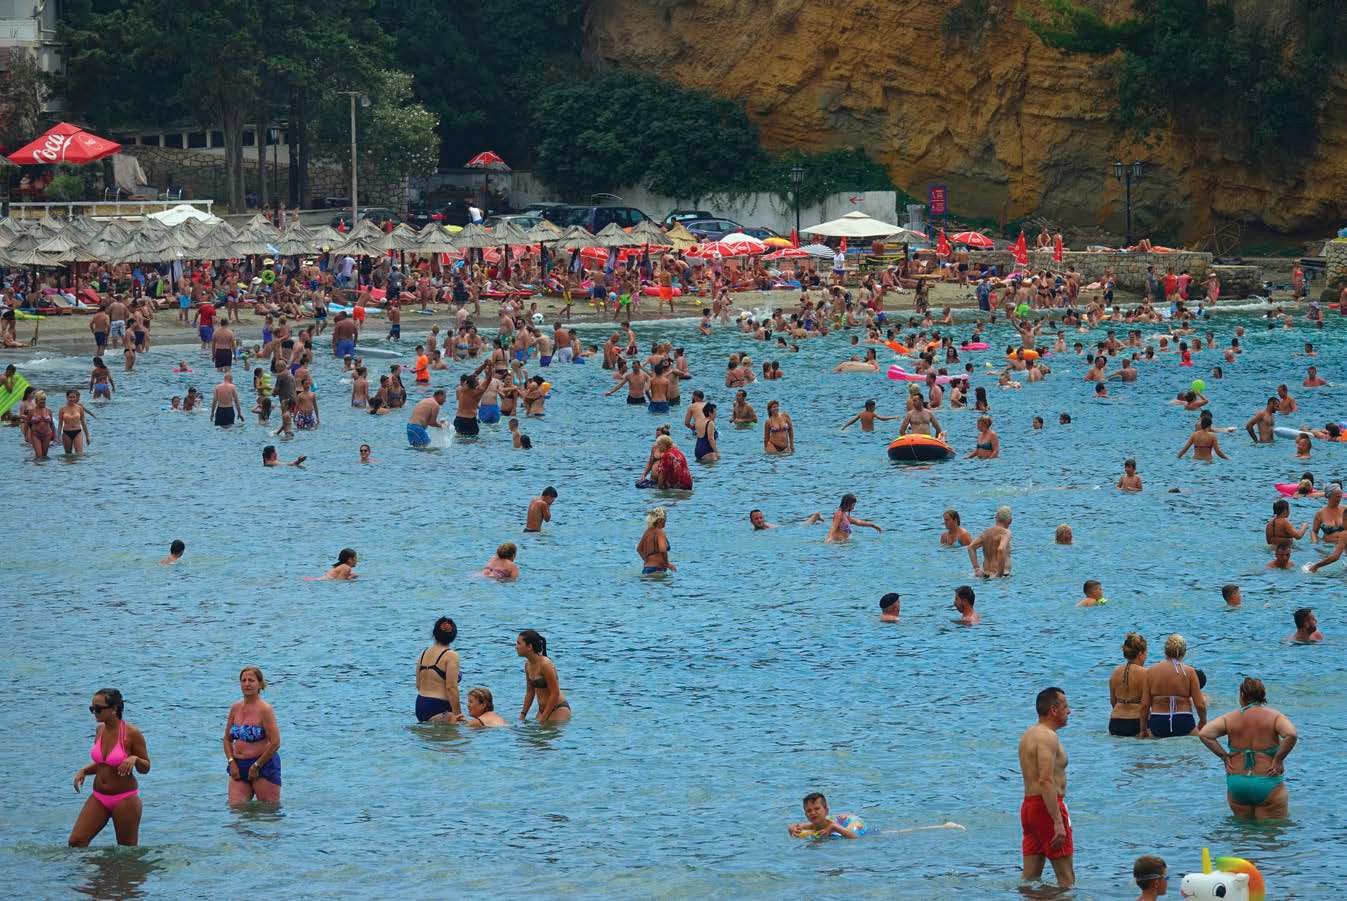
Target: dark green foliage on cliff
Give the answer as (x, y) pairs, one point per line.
(625, 129)
(1195, 64)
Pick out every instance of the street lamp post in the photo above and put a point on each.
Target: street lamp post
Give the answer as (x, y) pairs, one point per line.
(797, 179)
(355, 184)
(1126, 175)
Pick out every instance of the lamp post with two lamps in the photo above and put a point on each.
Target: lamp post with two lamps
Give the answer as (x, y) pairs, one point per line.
(355, 184)
(1126, 175)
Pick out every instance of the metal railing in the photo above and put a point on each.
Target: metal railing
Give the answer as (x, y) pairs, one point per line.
(39, 209)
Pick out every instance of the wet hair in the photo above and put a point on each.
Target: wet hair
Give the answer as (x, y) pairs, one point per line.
(847, 502)
(483, 695)
(1133, 646)
(1302, 616)
(965, 594)
(268, 452)
(506, 551)
(525, 442)
(812, 797)
(1129, 463)
(657, 515)
(444, 631)
(1280, 506)
(1175, 646)
(114, 699)
(344, 555)
(256, 671)
(889, 600)
(1148, 870)
(1228, 591)
(954, 515)
(1089, 584)
(549, 491)
(534, 641)
(178, 547)
(708, 409)
(1003, 514)
(1062, 531)
(1047, 699)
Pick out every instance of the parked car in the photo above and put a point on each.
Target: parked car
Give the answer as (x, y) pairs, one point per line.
(594, 218)
(712, 229)
(525, 221)
(685, 216)
(537, 209)
(761, 232)
(376, 214)
(454, 212)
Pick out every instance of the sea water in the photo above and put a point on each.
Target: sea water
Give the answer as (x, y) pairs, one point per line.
(706, 703)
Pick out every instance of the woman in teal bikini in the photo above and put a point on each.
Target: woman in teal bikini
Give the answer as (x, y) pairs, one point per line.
(1328, 520)
(1260, 739)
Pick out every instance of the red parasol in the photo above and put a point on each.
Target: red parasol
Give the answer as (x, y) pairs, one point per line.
(843, 245)
(1057, 249)
(794, 238)
(488, 161)
(973, 239)
(787, 253)
(1021, 250)
(942, 244)
(65, 143)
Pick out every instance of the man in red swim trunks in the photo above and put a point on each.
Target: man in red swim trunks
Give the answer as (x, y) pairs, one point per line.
(1043, 816)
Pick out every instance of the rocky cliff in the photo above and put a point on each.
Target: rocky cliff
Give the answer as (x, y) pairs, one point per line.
(1013, 127)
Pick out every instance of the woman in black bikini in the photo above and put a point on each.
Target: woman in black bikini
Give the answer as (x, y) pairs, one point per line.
(437, 677)
(1124, 688)
(1328, 521)
(540, 680)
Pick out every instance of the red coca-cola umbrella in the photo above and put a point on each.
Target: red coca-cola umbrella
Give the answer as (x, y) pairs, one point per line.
(489, 161)
(941, 244)
(973, 239)
(65, 143)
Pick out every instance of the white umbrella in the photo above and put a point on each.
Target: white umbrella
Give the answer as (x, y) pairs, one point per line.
(818, 250)
(749, 243)
(853, 225)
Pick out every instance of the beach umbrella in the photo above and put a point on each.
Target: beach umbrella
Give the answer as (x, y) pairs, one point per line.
(543, 231)
(818, 250)
(506, 233)
(488, 161)
(680, 237)
(434, 239)
(787, 253)
(65, 143)
(403, 237)
(575, 237)
(1021, 250)
(908, 236)
(747, 244)
(941, 244)
(854, 225)
(973, 239)
(474, 235)
(777, 242)
(612, 235)
(647, 232)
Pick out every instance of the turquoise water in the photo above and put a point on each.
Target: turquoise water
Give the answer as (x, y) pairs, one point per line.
(706, 704)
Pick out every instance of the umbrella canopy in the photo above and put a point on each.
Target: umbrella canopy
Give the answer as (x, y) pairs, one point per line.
(788, 253)
(508, 233)
(648, 232)
(854, 225)
(680, 237)
(818, 250)
(183, 212)
(777, 242)
(65, 143)
(366, 246)
(487, 159)
(545, 231)
(434, 239)
(1021, 250)
(403, 237)
(749, 243)
(612, 235)
(942, 244)
(908, 236)
(576, 237)
(474, 235)
(973, 239)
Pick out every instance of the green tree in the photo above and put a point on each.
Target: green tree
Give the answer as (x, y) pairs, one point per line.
(21, 95)
(395, 135)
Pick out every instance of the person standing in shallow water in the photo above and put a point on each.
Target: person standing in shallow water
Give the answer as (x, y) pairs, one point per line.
(540, 680)
(437, 669)
(1044, 819)
(1260, 739)
(118, 752)
(252, 744)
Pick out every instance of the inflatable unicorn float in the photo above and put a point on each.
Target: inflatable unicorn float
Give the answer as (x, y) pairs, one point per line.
(1232, 879)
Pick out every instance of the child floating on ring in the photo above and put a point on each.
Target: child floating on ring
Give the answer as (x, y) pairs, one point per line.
(820, 825)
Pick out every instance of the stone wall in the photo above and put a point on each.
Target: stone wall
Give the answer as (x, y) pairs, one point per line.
(1129, 269)
(203, 175)
(1335, 256)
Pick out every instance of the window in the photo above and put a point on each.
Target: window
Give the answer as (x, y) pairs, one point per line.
(577, 216)
(622, 216)
(637, 216)
(602, 216)
(249, 138)
(217, 139)
(173, 139)
(196, 140)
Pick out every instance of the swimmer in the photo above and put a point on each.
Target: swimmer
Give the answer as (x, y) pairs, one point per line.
(1203, 442)
(175, 552)
(426, 416)
(1169, 680)
(867, 418)
(270, 458)
(963, 602)
(1312, 379)
(116, 795)
(540, 510)
(995, 546)
(1260, 739)
(437, 672)
(778, 432)
(1130, 481)
(1303, 446)
(840, 530)
(760, 524)
(1265, 420)
(1037, 423)
(653, 548)
(540, 679)
(74, 424)
(988, 445)
(955, 533)
(890, 607)
(1307, 627)
(1063, 534)
(1094, 595)
(1279, 528)
(502, 566)
(1232, 596)
(742, 412)
(818, 824)
(1281, 557)
(365, 454)
(252, 743)
(855, 365)
(1125, 688)
(1044, 820)
(344, 568)
(1152, 877)
(482, 710)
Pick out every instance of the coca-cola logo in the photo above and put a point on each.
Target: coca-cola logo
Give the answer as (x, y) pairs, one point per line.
(52, 149)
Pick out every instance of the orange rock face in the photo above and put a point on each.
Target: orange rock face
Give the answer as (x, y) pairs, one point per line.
(1013, 127)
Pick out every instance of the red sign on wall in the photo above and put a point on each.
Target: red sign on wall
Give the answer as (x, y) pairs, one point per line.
(936, 200)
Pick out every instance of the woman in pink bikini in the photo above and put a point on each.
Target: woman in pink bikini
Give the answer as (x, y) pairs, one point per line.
(118, 749)
(252, 743)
